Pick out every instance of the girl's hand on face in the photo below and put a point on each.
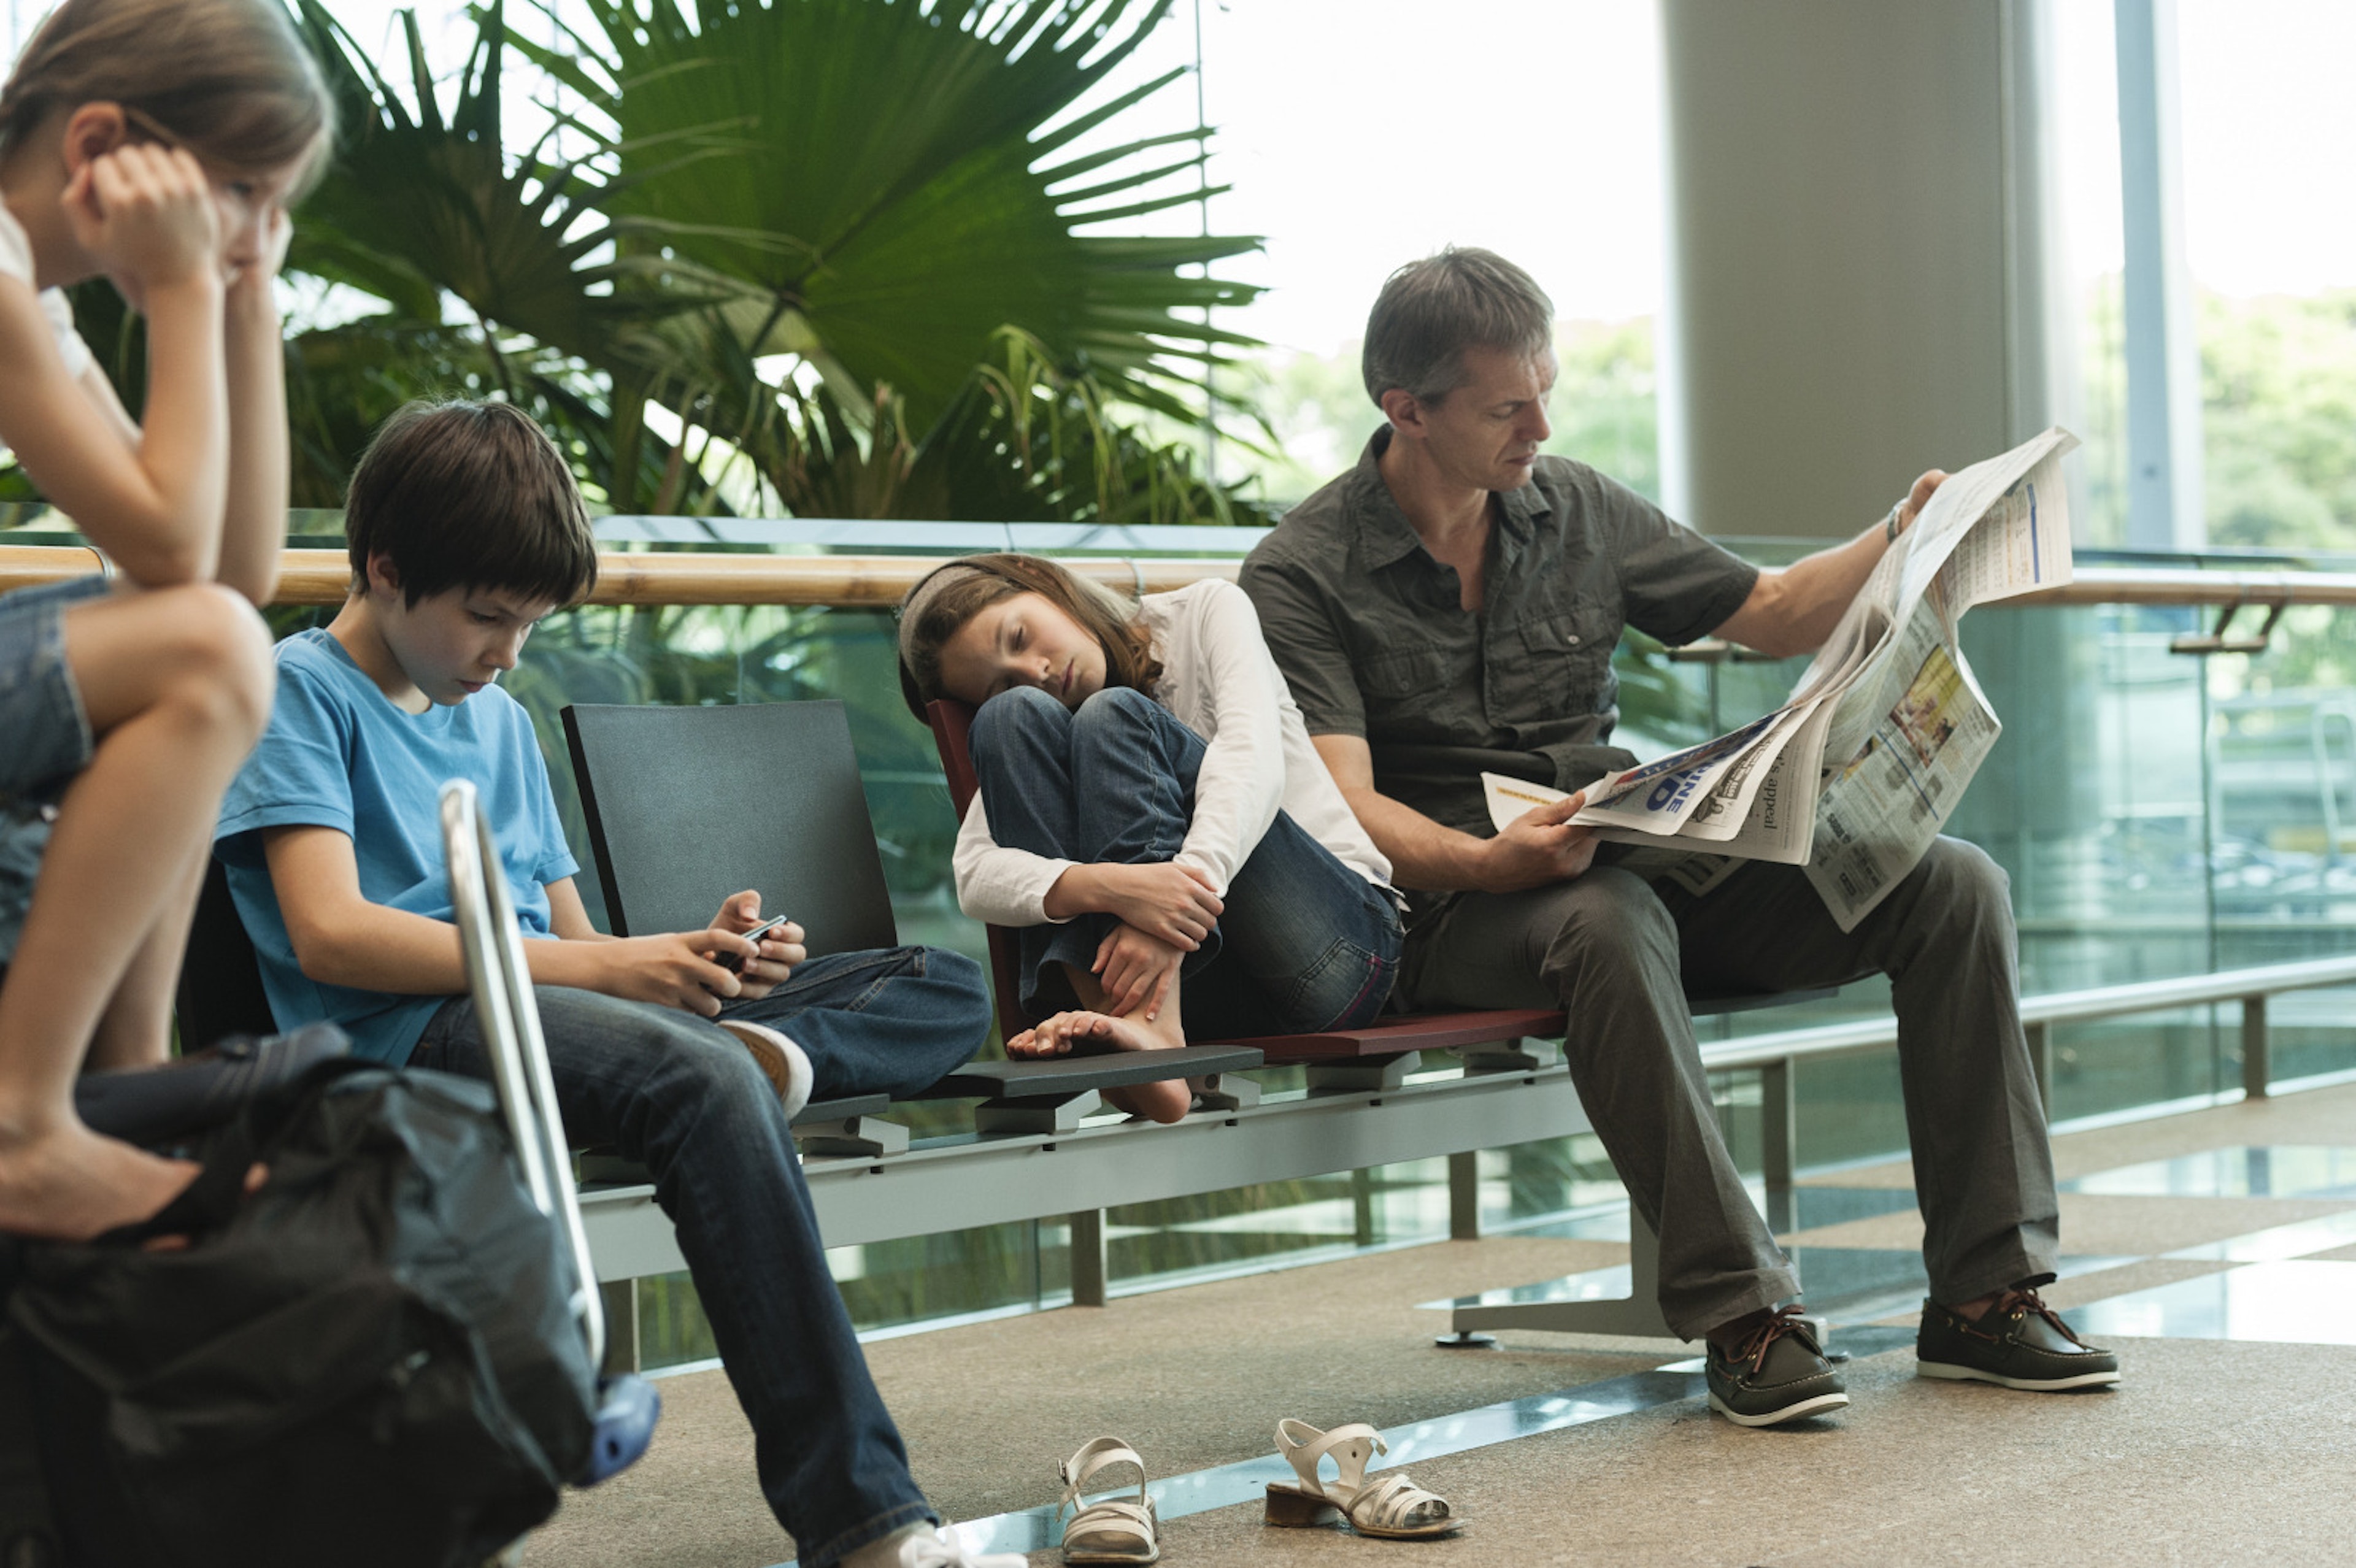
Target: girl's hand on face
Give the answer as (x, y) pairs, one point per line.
(1168, 901)
(1136, 971)
(251, 275)
(146, 214)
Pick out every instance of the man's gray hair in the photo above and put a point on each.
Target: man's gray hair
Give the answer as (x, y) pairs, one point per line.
(1431, 311)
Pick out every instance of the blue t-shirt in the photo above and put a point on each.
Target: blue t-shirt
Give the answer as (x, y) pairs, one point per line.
(339, 755)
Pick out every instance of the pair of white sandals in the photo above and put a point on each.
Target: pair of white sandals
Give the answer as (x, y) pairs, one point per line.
(1121, 1530)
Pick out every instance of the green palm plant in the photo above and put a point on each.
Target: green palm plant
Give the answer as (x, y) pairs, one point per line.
(897, 180)
(719, 216)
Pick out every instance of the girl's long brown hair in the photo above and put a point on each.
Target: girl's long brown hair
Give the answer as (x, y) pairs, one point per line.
(229, 79)
(1129, 653)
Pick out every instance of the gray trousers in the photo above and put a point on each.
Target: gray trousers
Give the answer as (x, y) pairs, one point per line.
(1619, 957)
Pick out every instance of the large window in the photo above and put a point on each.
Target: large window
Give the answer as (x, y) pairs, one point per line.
(2269, 161)
(1358, 134)
(2260, 173)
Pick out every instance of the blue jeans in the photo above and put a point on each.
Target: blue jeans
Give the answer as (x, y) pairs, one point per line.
(1305, 943)
(686, 1099)
(49, 740)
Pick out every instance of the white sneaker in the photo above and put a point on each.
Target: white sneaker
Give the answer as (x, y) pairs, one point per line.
(788, 1067)
(945, 1550)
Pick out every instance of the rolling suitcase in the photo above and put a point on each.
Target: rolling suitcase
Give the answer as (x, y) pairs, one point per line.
(386, 1355)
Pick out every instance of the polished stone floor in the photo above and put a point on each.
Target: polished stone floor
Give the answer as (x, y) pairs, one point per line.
(2218, 1249)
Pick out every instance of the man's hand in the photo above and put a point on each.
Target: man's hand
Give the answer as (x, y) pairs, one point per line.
(780, 951)
(1135, 971)
(673, 970)
(1168, 901)
(1919, 498)
(1537, 847)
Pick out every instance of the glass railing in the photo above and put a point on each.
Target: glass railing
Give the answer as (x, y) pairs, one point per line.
(2159, 813)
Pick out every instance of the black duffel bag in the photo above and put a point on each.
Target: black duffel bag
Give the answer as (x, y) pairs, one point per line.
(372, 1360)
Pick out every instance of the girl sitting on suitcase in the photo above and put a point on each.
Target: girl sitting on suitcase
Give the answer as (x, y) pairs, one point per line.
(157, 144)
(1151, 817)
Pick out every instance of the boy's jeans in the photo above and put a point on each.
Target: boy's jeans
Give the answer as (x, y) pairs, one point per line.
(1305, 943)
(686, 1099)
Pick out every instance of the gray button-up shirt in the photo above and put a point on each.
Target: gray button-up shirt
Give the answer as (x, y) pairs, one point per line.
(1370, 631)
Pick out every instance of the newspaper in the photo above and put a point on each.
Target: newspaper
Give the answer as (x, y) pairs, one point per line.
(1860, 768)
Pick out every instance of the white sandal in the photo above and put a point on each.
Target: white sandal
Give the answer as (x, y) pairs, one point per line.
(1116, 1530)
(1393, 1508)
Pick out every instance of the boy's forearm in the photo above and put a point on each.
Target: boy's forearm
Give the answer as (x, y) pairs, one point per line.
(254, 524)
(375, 948)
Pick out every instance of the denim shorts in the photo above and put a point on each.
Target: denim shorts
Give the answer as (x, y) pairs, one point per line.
(45, 737)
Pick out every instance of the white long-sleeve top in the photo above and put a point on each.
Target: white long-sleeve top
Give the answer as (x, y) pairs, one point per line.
(1219, 680)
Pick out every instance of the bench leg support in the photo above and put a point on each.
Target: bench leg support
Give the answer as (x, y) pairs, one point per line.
(1227, 1091)
(1089, 1262)
(621, 1301)
(1369, 1072)
(2258, 1051)
(869, 1136)
(1040, 1115)
(1637, 1313)
(1779, 1107)
(1464, 1195)
(1511, 1056)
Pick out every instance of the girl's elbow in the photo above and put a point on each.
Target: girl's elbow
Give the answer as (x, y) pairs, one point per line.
(161, 565)
(259, 588)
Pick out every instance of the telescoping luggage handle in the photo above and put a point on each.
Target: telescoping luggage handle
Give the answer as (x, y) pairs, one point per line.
(501, 984)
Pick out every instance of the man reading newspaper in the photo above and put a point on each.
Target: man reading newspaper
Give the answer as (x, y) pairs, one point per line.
(1449, 608)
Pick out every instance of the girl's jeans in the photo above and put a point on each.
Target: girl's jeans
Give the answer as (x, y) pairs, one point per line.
(1305, 942)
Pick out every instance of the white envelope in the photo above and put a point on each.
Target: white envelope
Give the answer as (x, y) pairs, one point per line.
(1508, 797)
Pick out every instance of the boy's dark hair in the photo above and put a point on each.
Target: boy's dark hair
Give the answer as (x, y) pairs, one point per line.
(469, 495)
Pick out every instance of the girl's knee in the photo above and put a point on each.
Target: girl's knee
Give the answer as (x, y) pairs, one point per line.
(1020, 711)
(217, 649)
(1124, 706)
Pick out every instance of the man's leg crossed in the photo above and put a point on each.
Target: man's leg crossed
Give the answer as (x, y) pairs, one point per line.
(687, 1100)
(1602, 948)
(1983, 1163)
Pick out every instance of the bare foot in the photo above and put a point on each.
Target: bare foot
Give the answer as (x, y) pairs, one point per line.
(72, 1184)
(1089, 1032)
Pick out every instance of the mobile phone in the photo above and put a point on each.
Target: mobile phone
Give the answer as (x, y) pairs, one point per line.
(735, 962)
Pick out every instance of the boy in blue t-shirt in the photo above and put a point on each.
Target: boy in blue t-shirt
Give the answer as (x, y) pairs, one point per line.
(466, 529)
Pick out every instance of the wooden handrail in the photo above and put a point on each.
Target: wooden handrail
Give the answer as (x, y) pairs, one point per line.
(317, 577)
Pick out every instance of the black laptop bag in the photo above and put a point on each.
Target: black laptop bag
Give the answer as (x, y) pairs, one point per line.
(371, 1360)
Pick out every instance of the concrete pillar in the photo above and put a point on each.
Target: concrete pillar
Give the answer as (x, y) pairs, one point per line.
(1859, 286)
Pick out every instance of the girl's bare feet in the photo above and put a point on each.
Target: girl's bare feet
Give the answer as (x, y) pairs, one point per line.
(69, 1184)
(1090, 1032)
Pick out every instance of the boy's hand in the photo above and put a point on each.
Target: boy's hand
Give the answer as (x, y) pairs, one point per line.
(780, 950)
(1136, 971)
(146, 214)
(673, 970)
